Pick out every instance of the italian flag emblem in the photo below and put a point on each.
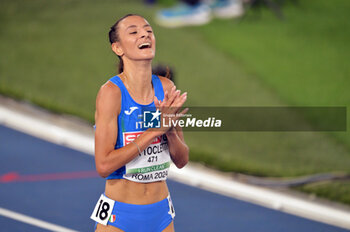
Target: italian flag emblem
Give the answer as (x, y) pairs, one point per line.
(112, 218)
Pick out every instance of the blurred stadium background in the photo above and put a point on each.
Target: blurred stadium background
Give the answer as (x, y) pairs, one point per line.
(55, 54)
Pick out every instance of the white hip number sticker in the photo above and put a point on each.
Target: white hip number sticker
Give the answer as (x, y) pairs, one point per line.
(171, 207)
(103, 210)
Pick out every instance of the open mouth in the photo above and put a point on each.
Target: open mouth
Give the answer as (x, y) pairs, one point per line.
(145, 45)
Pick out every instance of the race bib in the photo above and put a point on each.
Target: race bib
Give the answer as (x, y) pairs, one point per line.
(152, 164)
(103, 210)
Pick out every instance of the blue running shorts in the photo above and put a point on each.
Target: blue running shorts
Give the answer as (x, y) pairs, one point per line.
(142, 218)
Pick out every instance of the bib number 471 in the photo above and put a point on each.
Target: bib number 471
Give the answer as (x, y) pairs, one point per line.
(103, 210)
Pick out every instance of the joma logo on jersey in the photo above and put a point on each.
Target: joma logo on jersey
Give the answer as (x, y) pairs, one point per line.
(131, 136)
(131, 109)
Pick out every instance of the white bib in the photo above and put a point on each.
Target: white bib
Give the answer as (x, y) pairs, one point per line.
(152, 164)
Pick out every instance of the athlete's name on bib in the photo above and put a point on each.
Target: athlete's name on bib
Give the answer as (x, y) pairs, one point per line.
(152, 150)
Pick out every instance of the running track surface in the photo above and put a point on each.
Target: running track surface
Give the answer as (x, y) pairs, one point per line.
(59, 185)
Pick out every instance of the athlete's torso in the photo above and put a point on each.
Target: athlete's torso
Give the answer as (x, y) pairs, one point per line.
(153, 163)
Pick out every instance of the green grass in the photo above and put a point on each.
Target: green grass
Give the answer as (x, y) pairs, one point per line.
(56, 54)
(337, 191)
(303, 59)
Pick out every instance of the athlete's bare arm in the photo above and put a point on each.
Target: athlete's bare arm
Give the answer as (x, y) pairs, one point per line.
(178, 149)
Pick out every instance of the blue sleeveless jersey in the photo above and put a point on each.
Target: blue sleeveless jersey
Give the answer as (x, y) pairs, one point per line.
(153, 162)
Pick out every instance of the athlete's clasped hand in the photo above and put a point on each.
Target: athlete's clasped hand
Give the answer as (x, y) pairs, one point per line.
(170, 107)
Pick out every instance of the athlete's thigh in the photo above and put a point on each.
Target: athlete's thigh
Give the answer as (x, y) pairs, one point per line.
(102, 228)
(170, 228)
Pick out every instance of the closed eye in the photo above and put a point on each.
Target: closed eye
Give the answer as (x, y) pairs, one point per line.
(134, 32)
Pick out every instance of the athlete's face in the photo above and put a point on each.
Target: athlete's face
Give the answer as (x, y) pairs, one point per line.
(137, 41)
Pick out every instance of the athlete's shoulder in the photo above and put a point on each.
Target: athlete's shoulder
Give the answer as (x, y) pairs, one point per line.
(166, 82)
(109, 89)
(108, 97)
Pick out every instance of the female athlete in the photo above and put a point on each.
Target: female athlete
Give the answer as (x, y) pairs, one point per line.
(133, 158)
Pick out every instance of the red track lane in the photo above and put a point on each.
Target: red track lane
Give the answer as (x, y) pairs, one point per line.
(16, 177)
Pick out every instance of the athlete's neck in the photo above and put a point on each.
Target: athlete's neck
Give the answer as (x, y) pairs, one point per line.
(137, 76)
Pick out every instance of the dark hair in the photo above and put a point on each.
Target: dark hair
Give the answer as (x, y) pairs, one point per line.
(114, 37)
(163, 70)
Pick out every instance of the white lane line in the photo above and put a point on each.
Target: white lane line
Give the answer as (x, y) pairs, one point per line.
(190, 175)
(47, 131)
(200, 178)
(33, 221)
